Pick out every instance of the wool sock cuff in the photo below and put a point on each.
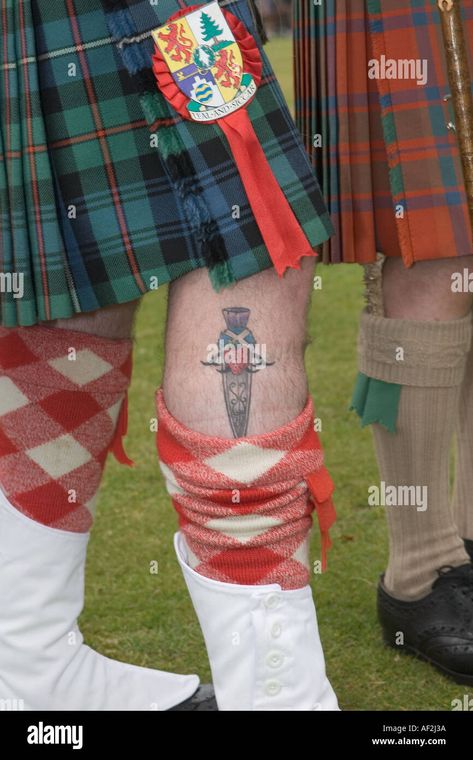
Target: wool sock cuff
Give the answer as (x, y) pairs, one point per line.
(283, 438)
(407, 352)
(21, 348)
(279, 478)
(62, 409)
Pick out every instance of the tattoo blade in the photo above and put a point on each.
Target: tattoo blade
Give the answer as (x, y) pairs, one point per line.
(237, 392)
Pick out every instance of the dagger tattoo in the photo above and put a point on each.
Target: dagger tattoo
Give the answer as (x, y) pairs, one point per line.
(237, 357)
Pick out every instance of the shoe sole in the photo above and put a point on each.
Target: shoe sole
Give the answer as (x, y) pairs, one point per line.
(460, 678)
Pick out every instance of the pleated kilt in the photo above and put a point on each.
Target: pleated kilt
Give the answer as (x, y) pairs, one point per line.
(93, 211)
(388, 165)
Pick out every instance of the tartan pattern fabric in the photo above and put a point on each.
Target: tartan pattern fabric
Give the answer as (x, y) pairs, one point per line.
(389, 168)
(61, 398)
(92, 212)
(244, 505)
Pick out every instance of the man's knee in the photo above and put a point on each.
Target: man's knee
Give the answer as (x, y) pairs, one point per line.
(235, 360)
(112, 322)
(430, 290)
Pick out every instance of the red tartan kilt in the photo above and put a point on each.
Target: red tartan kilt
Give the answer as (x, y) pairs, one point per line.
(389, 167)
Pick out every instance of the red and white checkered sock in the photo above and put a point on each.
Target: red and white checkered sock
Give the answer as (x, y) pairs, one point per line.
(245, 506)
(62, 409)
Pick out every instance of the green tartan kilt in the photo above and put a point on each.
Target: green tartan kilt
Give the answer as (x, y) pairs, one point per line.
(105, 193)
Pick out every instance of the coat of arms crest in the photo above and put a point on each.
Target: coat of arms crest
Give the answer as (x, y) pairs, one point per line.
(206, 63)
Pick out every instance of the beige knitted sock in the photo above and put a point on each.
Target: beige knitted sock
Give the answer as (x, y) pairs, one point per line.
(428, 360)
(463, 491)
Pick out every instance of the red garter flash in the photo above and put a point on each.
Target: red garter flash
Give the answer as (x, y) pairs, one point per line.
(208, 67)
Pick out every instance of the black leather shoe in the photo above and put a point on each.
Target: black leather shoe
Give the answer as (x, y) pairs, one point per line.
(203, 701)
(437, 628)
(469, 547)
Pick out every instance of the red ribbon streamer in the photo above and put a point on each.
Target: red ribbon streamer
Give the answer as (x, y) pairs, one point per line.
(284, 237)
(117, 448)
(321, 488)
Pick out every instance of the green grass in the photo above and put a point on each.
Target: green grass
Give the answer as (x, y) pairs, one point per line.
(280, 54)
(135, 615)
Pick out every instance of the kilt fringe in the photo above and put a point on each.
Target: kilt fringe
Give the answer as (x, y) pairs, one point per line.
(258, 21)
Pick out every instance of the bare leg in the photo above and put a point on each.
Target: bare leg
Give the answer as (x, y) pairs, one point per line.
(430, 323)
(424, 292)
(113, 322)
(278, 311)
(244, 505)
